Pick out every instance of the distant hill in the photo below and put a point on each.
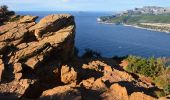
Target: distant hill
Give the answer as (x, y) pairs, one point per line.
(139, 16)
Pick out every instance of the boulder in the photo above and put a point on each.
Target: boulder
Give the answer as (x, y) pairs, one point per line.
(140, 96)
(61, 93)
(68, 74)
(116, 92)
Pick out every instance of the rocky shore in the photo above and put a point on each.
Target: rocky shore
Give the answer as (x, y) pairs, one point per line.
(37, 61)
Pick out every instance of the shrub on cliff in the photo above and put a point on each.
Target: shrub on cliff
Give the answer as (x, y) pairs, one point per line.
(5, 14)
(167, 89)
(150, 67)
(155, 68)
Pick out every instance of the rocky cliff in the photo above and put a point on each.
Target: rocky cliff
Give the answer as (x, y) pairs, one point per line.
(26, 45)
(37, 62)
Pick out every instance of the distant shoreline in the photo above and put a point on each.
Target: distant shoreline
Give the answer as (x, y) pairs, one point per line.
(149, 29)
(139, 27)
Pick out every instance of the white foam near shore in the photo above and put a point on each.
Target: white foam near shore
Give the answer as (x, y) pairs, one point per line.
(157, 30)
(105, 23)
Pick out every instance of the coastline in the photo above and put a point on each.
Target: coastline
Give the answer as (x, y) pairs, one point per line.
(105, 23)
(139, 27)
(149, 29)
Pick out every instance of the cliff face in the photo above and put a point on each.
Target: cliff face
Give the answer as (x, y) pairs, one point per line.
(26, 45)
(52, 36)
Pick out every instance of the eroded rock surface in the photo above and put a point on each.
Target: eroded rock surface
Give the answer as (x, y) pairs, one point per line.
(24, 54)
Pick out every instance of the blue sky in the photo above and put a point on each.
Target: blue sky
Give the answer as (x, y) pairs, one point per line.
(80, 5)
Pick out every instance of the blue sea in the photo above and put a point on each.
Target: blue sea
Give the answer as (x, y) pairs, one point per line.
(113, 40)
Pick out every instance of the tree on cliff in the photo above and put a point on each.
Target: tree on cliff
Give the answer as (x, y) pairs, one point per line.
(5, 14)
(3, 9)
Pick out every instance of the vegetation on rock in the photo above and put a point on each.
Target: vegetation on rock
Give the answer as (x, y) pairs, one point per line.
(136, 19)
(157, 69)
(5, 14)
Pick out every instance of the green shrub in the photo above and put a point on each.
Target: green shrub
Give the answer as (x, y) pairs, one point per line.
(157, 69)
(167, 89)
(160, 93)
(149, 67)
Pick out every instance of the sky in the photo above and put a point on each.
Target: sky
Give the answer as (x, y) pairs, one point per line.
(80, 5)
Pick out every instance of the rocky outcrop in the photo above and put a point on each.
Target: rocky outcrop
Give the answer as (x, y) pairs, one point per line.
(24, 54)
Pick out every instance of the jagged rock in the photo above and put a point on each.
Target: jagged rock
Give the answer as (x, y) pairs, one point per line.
(52, 23)
(18, 32)
(116, 92)
(98, 66)
(61, 93)
(140, 96)
(38, 50)
(68, 74)
(88, 83)
(62, 40)
(99, 85)
(91, 83)
(28, 18)
(14, 89)
(33, 61)
(1, 68)
(116, 76)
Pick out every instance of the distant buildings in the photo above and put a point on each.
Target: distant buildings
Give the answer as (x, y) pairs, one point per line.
(147, 10)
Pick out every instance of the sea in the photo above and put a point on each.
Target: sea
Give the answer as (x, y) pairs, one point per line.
(113, 40)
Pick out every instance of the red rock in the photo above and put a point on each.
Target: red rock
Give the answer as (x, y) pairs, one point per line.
(140, 96)
(68, 74)
(17, 67)
(116, 92)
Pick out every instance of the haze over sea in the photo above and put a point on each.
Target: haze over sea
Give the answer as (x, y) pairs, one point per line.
(114, 40)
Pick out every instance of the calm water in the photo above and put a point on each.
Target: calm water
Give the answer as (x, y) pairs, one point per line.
(112, 40)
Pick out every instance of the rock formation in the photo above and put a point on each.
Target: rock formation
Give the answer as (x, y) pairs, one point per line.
(21, 50)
